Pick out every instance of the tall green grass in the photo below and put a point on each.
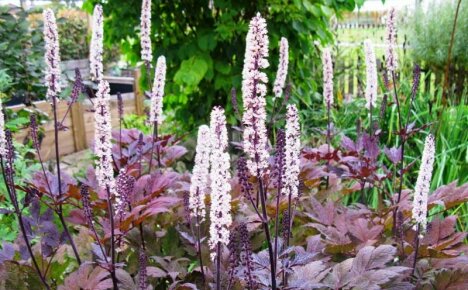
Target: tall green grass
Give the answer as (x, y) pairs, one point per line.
(449, 125)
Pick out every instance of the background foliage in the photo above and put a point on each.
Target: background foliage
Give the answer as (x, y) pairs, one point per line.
(430, 39)
(21, 51)
(205, 47)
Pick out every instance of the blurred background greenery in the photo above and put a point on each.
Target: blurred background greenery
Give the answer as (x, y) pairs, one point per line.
(204, 46)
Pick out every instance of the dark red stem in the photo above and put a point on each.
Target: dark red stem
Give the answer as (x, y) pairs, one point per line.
(57, 159)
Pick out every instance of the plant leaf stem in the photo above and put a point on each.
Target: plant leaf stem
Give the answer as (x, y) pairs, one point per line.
(328, 143)
(402, 163)
(59, 210)
(112, 242)
(218, 266)
(266, 229)
(199, 249)
(19, 215)
(416, 249)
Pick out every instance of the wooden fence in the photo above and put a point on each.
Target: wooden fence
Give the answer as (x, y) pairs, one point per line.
(80, 120)
(350, 77)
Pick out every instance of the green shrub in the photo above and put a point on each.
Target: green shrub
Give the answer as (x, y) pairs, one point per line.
(429, 34)
(21, 50)
(205, 47)
(74, 29)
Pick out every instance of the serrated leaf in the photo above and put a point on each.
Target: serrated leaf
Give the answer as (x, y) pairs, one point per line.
(369, 258)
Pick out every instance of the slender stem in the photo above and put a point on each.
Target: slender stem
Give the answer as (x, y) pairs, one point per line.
(449, 58)
(120, 139)
(57, 159)
(288, 232)
(400, 123)
(112, 242)
(278, 194)
(270, 127)
(267, 230)
(328, 143)
(155, 140)
(199, 249)
(22, 227)
(363, 192)
(148, 74)
(416, 249)
(28, 246)
(49, 263)
(140, 226)
(93, 229)
(66, 113)
(218, 266)
(255, 208)
(43, 169)
(290, 220)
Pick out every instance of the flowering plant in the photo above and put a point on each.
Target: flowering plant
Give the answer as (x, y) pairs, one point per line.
(274, 220)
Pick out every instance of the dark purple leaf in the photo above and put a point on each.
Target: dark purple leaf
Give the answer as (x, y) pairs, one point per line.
(394, 154)
(7, 252)
(348, 144)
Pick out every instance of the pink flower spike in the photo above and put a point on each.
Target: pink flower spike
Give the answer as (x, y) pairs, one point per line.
(95, 54)
(390, 41)
(52, 55)
(103, 138)
(423, 183)
(199, 181)
(253, 92)
(327, 77)
(158, 91)
(292, 152)
(146, 53)
(220, 213)
(282, 68)
(371, 75)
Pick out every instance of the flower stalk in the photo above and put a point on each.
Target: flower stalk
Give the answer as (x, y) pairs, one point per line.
(199, 185)
(220, 213)
(328, 94)
(52, 57)
(8, 173)
(155, 116)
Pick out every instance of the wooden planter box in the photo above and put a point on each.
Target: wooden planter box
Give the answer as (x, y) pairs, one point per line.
(80, 120)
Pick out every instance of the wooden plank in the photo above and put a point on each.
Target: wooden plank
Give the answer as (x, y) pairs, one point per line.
(138, 92)
(78, 127)
(80, 121)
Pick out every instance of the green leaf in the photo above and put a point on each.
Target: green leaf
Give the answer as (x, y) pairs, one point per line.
(207, 42)
(193, 70)
(223, 67)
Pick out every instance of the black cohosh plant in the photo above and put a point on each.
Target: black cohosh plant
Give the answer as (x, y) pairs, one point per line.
(276, 222)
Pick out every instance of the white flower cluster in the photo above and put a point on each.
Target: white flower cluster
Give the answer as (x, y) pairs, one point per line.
(52, 54)
(371, 75)
(253, 93)
(158, 91)
(103, 137)
(327, 77)
(390, 54)
(423, 183)
(199, 181)
(220, 213)
(3, 150)
(282, 72)
(146, 53)
(292, 152)
(95, 54)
